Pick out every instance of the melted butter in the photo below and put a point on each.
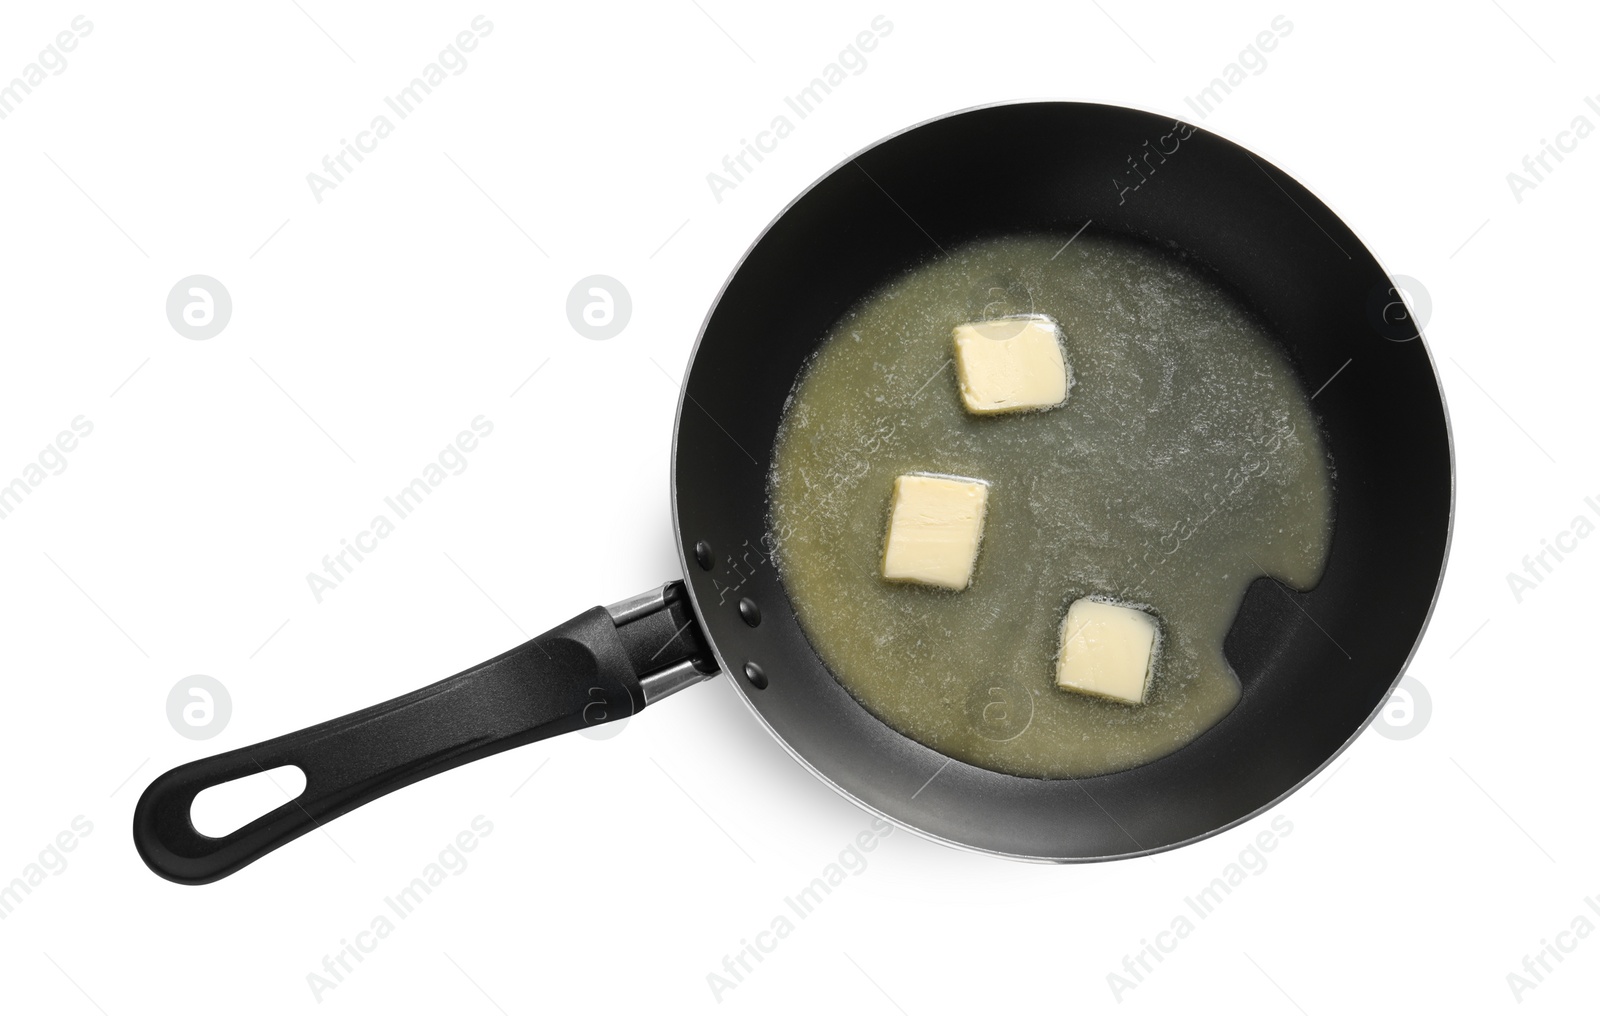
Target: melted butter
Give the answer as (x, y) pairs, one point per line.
(1185, 463)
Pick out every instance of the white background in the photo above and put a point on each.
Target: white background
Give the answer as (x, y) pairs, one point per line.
(420, 293)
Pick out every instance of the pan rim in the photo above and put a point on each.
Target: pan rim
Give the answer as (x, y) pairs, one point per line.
(805, 763)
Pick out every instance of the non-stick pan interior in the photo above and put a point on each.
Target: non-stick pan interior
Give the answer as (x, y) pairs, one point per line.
(1314, 666)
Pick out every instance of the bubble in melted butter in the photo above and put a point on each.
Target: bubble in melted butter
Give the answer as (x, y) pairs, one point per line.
(1185, 463)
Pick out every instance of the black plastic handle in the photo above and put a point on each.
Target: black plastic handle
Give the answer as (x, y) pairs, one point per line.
(575, 675)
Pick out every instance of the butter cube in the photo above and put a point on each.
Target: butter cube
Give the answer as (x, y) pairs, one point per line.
(1011, 364)
(1107, 650)
(935, 525)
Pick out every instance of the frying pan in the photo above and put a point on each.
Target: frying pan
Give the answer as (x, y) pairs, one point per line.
(1314, 666)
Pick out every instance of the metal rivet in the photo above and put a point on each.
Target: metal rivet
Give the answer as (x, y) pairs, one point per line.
(755, 675)
(702, 555)
(750, 612)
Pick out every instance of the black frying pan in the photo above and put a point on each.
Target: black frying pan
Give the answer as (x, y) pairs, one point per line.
(1315, 667)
